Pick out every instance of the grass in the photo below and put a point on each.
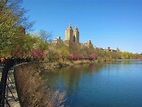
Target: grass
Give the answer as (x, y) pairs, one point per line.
(31, 89)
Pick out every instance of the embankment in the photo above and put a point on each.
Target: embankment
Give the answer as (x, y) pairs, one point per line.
(31, 89)
(52, 65)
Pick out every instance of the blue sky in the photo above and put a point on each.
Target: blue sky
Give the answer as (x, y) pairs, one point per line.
(107, 23)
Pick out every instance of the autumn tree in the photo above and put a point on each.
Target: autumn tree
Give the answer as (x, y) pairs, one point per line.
(13, 25)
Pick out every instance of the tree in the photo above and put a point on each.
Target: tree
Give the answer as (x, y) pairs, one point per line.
(13, 25)
(92, 56)
(74, 48)
(126, 55)
(64, 52)
(44, 36)
(37, 54)
(41, 41)
(85, 50)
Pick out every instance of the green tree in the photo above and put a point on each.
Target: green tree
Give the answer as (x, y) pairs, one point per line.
(13, 25)
(41, 40)
(126, 55)
(64, 52)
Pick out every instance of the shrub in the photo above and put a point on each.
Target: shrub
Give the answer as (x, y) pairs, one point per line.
(37, 54)
(92, 56)
(75, 57)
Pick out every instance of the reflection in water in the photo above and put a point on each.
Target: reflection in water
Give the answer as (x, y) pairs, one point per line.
(67, 78)
(69, 75)
(90, 85)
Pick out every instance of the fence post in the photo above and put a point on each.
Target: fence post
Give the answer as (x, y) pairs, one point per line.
(9, 63)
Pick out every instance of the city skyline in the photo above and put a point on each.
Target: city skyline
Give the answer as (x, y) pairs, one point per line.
(107, 23)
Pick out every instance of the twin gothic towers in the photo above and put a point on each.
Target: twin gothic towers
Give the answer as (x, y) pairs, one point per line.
(72, 35)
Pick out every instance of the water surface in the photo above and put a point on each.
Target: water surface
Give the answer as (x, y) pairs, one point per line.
(99, 85)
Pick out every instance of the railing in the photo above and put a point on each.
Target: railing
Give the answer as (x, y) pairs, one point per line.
(3, 84)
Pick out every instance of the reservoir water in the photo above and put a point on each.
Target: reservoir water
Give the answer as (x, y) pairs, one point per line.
(99, 85)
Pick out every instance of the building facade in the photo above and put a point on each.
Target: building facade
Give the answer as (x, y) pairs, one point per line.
(58, 40)
(71, 35)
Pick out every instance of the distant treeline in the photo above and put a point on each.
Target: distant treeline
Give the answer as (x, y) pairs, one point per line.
(15, 41)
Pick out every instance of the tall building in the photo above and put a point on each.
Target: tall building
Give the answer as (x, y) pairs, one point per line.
(76, 35)
(72, 36)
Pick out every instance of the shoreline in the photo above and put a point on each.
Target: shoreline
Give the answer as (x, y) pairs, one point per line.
(40, 67)
(58, 64)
